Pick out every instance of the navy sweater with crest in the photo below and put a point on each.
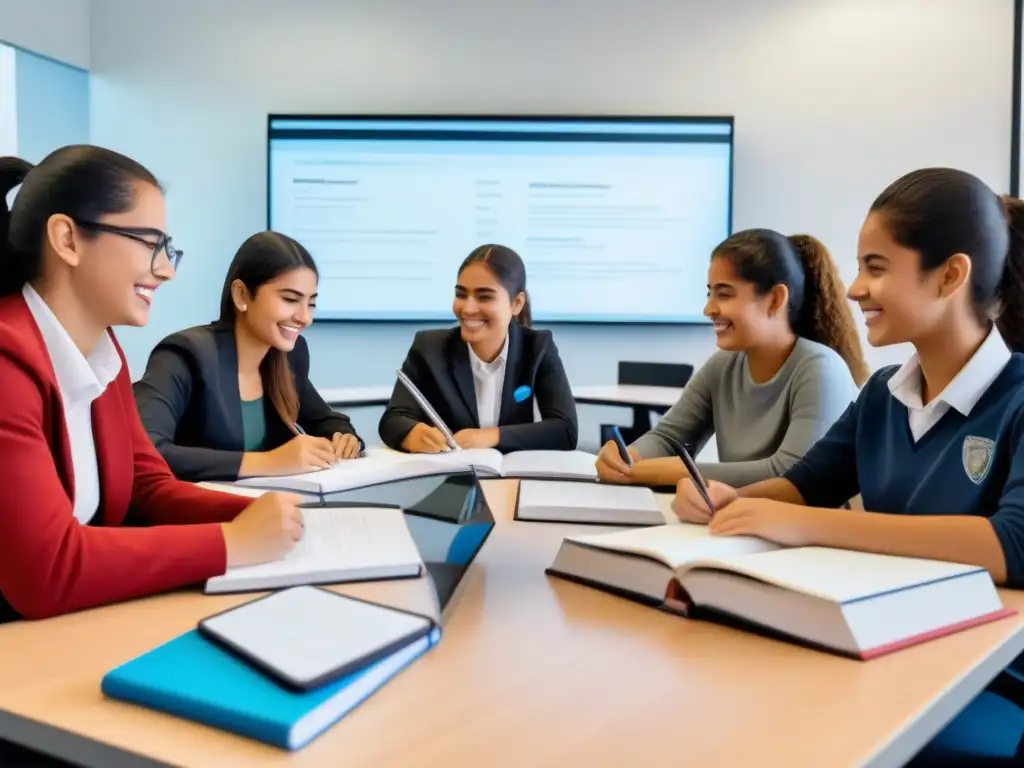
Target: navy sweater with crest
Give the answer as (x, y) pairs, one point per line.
(963, 465)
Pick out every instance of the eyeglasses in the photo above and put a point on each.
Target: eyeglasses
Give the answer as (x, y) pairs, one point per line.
(140, 235)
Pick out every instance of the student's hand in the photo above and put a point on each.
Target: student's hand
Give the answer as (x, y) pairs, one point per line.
(345, 446)
(610, 466)
(477, 438)
(265, 530)
(690, 506)
(788, 524)
(424, 438)
(303, 453)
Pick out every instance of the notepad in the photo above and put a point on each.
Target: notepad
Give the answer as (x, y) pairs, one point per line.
(380, 466)
(341, 543)
(858, 604)
(556, 501)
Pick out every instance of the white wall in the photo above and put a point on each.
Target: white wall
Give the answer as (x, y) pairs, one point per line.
(833, 100)
(53, 105)
(55, 28)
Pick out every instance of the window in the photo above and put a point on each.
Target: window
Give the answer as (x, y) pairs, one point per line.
(8, 103)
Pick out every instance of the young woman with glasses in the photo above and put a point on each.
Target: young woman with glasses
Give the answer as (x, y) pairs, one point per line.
(84, 248)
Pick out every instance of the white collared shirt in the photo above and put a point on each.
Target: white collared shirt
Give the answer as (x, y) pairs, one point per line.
(489, 381)
(961, 394)
(81, 380)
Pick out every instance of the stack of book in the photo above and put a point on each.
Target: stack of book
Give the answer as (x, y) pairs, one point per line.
(280, 669)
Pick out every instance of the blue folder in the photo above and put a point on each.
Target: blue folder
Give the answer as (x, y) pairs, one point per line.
(193, 678)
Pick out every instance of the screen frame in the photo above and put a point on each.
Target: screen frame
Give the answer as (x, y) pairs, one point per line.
(1017, 97)
(441, 118)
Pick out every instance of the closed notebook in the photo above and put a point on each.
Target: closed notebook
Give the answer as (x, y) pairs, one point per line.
(341, 543)
(853, 603)
(193, 678)
(381, 465)
(564, 501)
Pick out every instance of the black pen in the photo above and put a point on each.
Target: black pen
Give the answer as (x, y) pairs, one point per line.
(691, 468)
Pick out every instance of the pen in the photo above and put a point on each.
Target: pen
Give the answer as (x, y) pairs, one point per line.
(620, 443)
(691, 468)
(428, 409)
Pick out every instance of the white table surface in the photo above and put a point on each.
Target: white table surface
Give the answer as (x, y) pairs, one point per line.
(628, 395)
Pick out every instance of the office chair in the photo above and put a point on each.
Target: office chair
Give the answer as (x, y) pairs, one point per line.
(674, 375)
(1010, 685)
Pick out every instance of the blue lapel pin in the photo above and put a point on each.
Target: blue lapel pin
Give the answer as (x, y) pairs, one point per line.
(522, 393)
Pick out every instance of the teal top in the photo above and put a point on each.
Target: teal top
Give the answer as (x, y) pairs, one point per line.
(254, 425)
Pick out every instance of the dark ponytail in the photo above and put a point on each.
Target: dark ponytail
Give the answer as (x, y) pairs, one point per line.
(525, 316)
(1010, 320)
(12, 173)
(817, 309)
(940, 212)
(826, 316)
(82, 182)
(509, 270)
(263, 257)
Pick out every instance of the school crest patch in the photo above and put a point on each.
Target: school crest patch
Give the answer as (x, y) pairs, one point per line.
(977, 454)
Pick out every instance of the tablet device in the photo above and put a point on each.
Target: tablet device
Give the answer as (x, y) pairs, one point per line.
(306, 636)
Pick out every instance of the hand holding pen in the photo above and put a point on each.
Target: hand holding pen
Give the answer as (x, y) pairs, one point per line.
(344, 445)
(439, 425)
(614, 462)
(697, 480)
(696, 499)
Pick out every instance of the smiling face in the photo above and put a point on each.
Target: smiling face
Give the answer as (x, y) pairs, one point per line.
(483, 306)
(280, 309)
(741, 318)
(900, 302)
(115, 276)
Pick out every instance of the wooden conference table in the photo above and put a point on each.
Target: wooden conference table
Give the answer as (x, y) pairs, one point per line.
(531, 670)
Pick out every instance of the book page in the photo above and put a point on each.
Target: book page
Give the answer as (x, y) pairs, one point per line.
(234, 490)
(337, 539)
(487, 459)
(340, 476)
(677, 545)
(838, 575)
(567, 464)
(378, 466)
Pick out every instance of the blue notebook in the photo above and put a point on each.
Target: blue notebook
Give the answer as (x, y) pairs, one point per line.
(193, 678)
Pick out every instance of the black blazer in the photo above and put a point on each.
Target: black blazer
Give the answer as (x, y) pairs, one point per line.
(190, 405)
(438, 363)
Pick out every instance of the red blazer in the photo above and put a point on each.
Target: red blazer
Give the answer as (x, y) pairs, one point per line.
(49, 562)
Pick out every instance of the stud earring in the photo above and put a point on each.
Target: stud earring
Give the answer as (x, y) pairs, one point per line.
(242, 307)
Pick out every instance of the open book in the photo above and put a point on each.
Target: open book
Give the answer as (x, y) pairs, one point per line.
(384, 465)
(854, 603)
(341, 543)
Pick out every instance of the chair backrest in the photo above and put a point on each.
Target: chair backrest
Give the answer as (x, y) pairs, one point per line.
(655, 374)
